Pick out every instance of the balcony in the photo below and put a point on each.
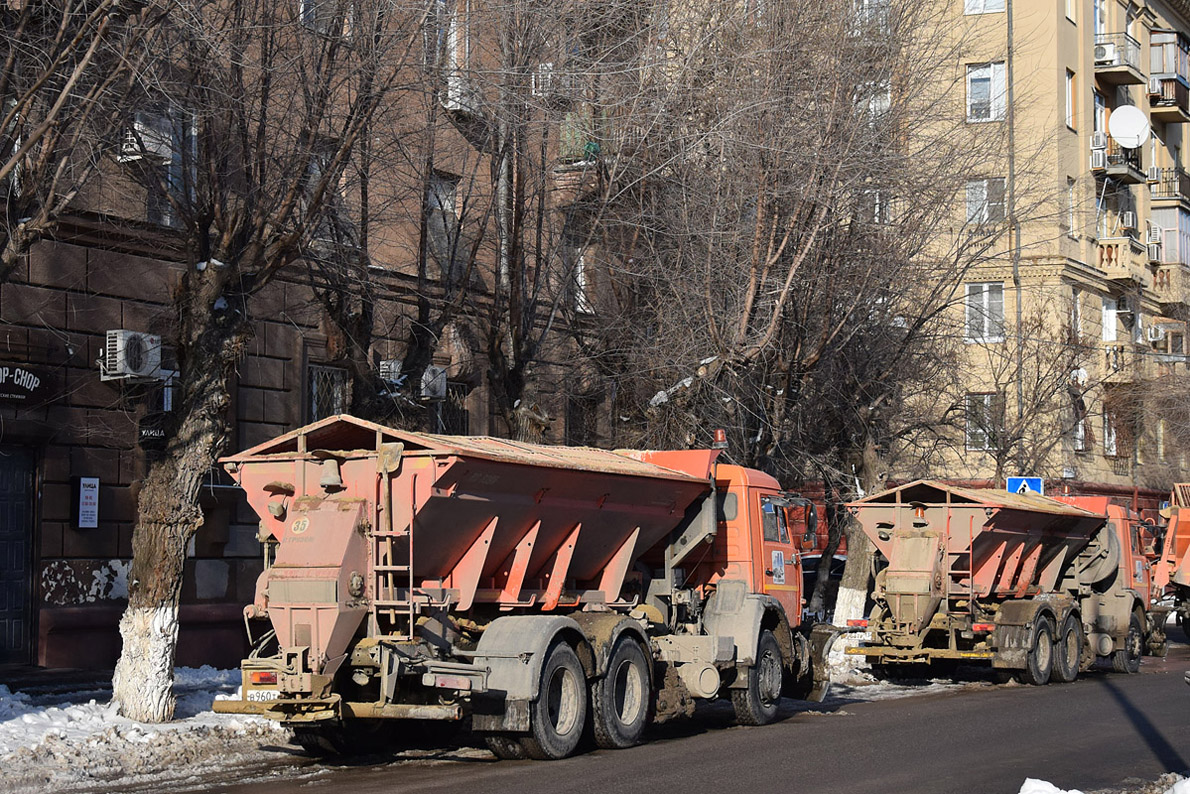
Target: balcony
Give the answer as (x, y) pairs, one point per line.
(1173, 184)
(1117, 59)
(1172, 287)
(1124, 166)
(1169, 99)
(1124, 261)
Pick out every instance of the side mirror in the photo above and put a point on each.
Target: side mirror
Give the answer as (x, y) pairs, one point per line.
(809, 540)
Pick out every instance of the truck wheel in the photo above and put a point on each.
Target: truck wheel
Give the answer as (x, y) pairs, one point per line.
(1127, 658)
(756, 704)
(1040, 658)
(1068, 651)
(557, 717)
(620, 700)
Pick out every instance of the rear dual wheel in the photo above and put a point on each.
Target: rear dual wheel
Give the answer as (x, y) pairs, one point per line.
(620, 700)
(1068, 650)
(1040, 659)
(556, 717)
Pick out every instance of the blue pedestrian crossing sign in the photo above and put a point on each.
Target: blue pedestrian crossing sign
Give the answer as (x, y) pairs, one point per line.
(1025, 485)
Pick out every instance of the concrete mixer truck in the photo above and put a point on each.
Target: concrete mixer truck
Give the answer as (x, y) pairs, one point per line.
(1039, 588)
(544, 592)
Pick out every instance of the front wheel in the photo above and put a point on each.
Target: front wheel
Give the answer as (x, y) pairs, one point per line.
(1039, 661)
(1127, 658)
(557, 717)
(1068, 650)
(620, 700)
(756, 704)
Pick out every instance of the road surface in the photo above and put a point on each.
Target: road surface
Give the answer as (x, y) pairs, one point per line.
(1103, 731)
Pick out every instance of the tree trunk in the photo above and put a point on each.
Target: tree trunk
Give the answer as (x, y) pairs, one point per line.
(168, 516)
(857, 575)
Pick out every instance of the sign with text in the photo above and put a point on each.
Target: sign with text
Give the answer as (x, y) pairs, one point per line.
(22, 384)
(87, 495)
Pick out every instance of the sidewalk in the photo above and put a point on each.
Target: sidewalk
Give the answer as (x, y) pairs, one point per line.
(47, 686)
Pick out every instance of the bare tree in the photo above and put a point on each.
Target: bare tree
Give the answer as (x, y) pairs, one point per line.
(65, 68)
(259, 107)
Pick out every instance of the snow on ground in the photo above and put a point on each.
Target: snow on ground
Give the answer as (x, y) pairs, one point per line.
(1166, 784)
(69, 745)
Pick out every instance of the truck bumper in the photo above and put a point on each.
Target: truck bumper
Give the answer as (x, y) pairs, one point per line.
(881, 653)
(308, 711)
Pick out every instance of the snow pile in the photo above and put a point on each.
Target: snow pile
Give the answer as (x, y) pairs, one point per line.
(1035, 786)
(69, 745)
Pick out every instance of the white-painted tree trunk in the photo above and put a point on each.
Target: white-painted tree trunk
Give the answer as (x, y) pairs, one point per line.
(848, 606)
(143, 684)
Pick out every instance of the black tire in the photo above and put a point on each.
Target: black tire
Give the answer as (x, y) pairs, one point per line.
(1040, 660)
(757, 703)
(620, 699)
(506, 747)
(558, 715)
(1068, 651)
(1127, 658)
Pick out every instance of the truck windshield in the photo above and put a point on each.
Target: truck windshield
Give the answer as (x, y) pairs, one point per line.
(775, 528)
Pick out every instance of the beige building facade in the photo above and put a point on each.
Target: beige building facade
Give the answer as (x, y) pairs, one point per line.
(1074, 327)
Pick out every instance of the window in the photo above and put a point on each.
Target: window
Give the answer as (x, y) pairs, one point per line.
(1079, 441)
(582, 420)
(166, 144)
(320, 15)
(875, 98)
(1071, 100)
(1099, 16)
(773, 518)
(985, 419)
(442, 224)
(985, 201)
(985, 312)
(327, 391)
(985, 91)
(1109, 436)
(1072, 222)
(1076, 315)
(1071, 10)
(580, 284)
(1161, 439)
(982, 6)
(450, 415)
(1099, 117)
(872, 16)
(1110, 307)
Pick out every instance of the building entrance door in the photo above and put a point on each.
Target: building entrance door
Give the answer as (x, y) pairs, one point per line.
(16, 536)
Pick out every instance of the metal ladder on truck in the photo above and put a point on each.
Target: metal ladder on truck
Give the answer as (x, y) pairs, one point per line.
(394, 607)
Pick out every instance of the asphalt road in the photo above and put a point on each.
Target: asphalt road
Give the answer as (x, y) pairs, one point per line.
(1102, 731)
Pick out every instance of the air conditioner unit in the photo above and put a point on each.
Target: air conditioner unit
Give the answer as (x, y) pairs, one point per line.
(1155, 233)
(1155, 333)
(1105, 54)
(1154, 252)
(390, 370)
(1128, 220)
(131, 355)
(433, 383)
(1098, 140)
(1155, 86)
(1154, 175)
(1098, 160)
(150, 137)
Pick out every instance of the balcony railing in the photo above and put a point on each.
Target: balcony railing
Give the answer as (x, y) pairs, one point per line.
(1169, 99)
(1117, 58)
(1173, 184)
(1172, 287)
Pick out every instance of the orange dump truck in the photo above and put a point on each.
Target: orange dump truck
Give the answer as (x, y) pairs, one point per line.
(535, 589)
(1172, 572)
(1038, 587)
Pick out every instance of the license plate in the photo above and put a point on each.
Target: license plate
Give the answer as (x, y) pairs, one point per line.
(263, 694)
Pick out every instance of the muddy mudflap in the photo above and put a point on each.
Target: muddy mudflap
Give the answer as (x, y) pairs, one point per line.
(815, 681)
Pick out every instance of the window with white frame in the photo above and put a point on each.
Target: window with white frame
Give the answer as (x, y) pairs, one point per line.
(442, 223)
(1099, 16)
(984, 303)
(1109, 436)
(1076, 314)
(985, 91)
(166, 143)
(1160, 439)
(1072, 10)
(1099, 116)
(985, 419)
(1071, 100)
(1110, 312)
(982, 6)
(985, 201)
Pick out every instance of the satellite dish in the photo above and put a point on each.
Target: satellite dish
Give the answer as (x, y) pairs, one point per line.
(1128, 126)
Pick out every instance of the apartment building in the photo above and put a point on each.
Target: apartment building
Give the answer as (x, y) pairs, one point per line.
(87, 361)
(1075, 321)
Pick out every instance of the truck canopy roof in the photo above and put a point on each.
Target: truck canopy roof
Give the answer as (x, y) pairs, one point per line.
(934, 492)
(344, 433)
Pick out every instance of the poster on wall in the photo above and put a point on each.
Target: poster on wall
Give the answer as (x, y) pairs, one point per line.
(88, 502)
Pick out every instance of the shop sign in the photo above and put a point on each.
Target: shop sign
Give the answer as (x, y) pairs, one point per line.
(21, 384)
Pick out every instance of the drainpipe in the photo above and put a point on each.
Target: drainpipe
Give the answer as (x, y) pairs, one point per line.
(1015, 225)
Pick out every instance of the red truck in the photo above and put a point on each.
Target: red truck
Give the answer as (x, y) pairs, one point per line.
(535, 589)
(1040, 588)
